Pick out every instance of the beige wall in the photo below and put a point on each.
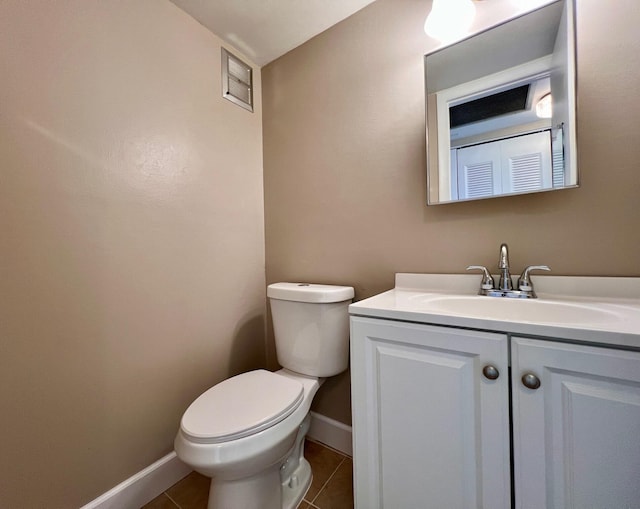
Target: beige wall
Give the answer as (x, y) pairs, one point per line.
(345, 177)
(131, 240)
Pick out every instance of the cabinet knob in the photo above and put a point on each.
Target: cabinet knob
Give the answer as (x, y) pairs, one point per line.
(491, 372)
(531, 381)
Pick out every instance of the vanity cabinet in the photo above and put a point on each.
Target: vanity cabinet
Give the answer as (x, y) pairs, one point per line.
(576, 439)
(429, 429)
(432, 425)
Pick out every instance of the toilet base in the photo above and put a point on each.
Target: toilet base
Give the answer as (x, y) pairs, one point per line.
(295, 473)
(255, 492)
(258, 492)
(294, 492)
(281, 486)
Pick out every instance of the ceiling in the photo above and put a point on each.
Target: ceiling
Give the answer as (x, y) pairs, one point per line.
(265, 29)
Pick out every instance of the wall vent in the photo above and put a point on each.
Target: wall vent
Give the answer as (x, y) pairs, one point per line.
(237, 81)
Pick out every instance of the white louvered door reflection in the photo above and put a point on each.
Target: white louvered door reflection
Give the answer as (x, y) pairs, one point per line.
(514, 165)
(479, 171)
(557, 158)
(526, 163)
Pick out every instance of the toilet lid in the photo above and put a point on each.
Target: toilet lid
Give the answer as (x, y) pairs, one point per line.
(241, 406)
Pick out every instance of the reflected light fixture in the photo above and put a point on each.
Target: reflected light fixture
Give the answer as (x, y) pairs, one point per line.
(449, 20)
(544, 108)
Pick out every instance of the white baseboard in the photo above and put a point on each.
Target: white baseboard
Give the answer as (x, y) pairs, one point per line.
(331, 432)
(147, 484)
(144, 486)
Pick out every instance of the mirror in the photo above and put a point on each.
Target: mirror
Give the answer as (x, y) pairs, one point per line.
(501, 109)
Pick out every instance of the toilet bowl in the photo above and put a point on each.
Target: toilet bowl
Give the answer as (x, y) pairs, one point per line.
(247, 432)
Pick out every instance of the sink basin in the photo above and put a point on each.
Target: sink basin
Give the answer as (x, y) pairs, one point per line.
(603, 310)
(520, 310)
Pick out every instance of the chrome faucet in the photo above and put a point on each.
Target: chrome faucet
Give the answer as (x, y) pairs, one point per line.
(505, 285)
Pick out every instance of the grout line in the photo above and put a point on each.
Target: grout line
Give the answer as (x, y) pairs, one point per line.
(309, 503)
(327, 481)
(173, 501)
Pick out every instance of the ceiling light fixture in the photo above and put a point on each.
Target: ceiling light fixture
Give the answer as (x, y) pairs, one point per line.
(544, 108)
(449, 20)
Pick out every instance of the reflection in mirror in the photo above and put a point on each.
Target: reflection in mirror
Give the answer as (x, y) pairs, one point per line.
(501, 109)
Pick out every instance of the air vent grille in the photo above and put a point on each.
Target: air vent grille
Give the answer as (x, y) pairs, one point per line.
(495, 105)
(237, 81)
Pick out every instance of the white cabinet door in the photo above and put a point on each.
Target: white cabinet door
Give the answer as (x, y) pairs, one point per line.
(576, 437)
(430, 431)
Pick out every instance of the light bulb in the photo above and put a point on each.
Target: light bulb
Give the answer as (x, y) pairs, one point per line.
(449, 20)
(544, 107)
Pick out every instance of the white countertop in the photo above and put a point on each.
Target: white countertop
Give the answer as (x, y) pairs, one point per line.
(600, 310)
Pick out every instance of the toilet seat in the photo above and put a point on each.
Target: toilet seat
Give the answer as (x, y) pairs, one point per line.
(241, 406)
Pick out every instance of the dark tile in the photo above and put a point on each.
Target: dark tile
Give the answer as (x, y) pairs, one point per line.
(323, 463)
(192, 492)
(160, 502)
(338, 493)
(305, 505)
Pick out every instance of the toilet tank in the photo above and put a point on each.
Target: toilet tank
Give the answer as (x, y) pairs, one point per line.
(311, 327)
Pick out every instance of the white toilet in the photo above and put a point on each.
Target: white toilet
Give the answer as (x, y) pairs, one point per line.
(247, 433)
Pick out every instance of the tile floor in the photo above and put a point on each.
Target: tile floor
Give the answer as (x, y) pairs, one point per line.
(331, 488)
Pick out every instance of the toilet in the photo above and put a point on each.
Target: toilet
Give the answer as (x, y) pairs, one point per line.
(247, 432)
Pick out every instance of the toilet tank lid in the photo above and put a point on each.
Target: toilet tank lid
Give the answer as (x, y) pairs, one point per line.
(308, 292)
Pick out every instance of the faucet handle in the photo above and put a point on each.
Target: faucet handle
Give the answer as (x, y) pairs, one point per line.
(524, 283)
(487, 281)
